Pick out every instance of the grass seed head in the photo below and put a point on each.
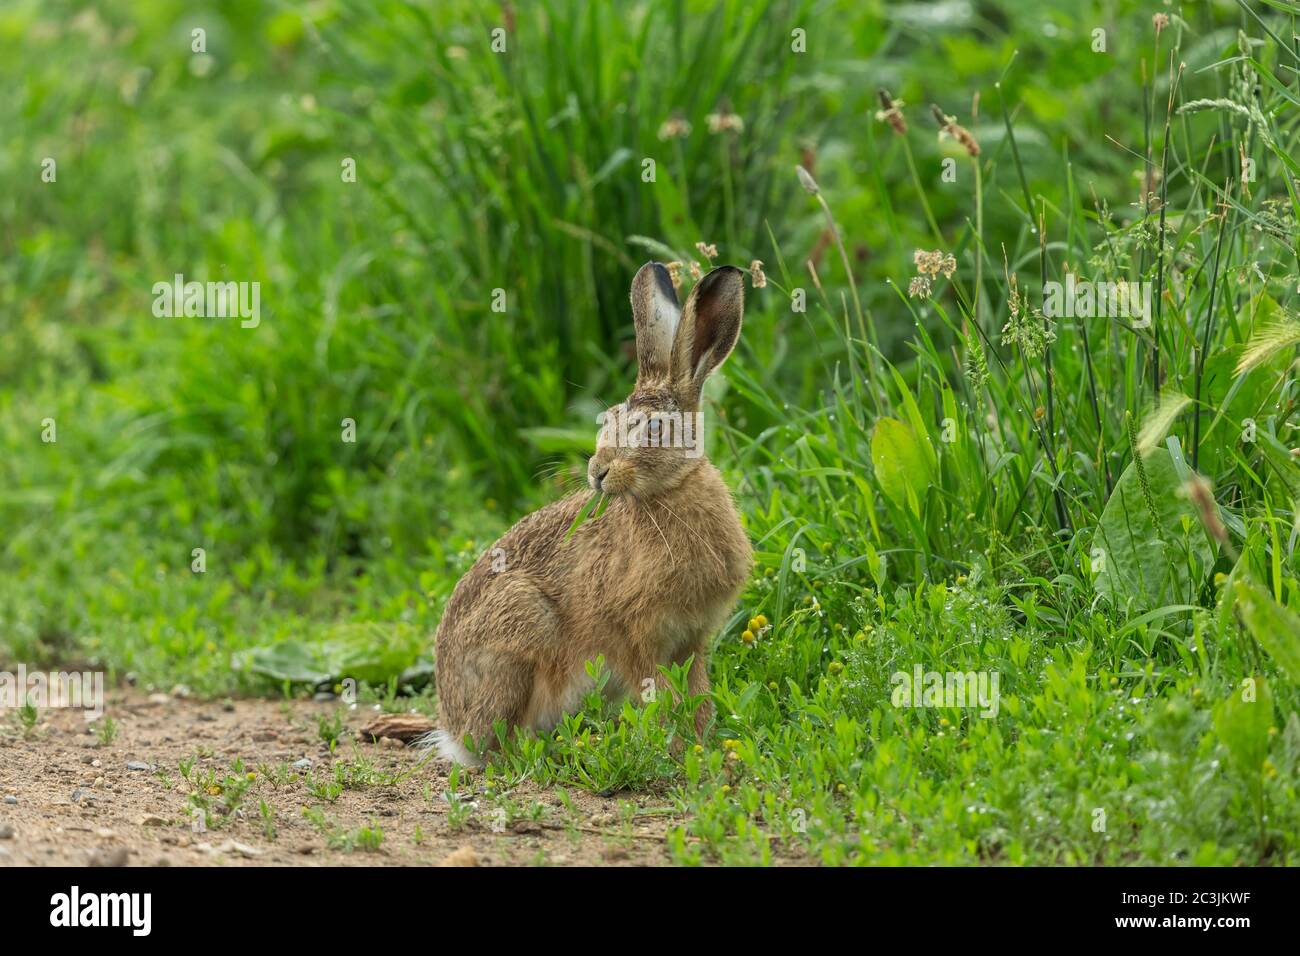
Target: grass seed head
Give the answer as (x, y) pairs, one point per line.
(675, 127)
(891, 112)
(807, 182)
(1198, 491)
(948, 127)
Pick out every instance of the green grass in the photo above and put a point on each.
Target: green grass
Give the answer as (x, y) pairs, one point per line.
(946, 481)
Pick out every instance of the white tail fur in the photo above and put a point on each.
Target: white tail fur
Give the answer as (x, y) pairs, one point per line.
(448, 747)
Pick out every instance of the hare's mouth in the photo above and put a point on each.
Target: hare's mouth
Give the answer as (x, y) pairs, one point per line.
(612, 479)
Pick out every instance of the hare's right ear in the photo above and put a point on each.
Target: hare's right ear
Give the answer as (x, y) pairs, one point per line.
(708, 331)
(655, 313)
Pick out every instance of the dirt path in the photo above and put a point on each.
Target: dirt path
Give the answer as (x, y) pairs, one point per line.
(70, 797)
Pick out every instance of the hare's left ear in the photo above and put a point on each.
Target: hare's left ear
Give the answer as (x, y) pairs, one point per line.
(654, 313)
(708, 331)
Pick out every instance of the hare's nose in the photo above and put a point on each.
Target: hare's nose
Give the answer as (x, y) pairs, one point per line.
(597, 476)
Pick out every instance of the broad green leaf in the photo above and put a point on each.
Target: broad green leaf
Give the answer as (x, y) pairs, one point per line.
(1276, 628)
(900, 461)
(1282, 468)
(1242, 722)
(1145, 561)
(289, 661)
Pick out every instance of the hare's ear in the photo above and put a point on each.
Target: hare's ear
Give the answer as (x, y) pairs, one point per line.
(707, 332)
(655, 313)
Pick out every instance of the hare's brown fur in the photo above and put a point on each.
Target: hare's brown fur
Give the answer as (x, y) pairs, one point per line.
(647, 583)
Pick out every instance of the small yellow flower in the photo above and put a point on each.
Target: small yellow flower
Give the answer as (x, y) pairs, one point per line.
(762, 621)
(771, 685)
(1220, 579)
(835, 667)
(840, 787)
(1270, 771)
(731, 744)
(251, 775)
(1196, 692)
(753, 624)
(944, 722)
(1272, 731)
(747, 637)
(698, 749)
(725, 788)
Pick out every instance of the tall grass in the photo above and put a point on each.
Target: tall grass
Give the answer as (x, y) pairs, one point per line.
(941, 479)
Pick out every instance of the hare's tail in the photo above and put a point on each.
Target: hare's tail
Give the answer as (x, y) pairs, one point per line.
(448, 747)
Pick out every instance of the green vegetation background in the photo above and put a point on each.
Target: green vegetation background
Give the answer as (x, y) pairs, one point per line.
(965, 547)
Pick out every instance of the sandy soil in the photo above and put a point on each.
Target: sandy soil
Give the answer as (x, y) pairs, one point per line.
(67, 797)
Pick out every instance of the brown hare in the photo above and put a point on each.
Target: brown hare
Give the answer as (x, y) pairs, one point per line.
(647, 582)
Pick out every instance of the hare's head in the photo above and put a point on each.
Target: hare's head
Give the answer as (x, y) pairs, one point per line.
(650, 441)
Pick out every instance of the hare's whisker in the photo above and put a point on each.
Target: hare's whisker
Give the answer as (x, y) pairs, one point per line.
(706, 544)
(668, 547)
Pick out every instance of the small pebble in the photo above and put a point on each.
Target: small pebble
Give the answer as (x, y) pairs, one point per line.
(137, 765)
(117, 856)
